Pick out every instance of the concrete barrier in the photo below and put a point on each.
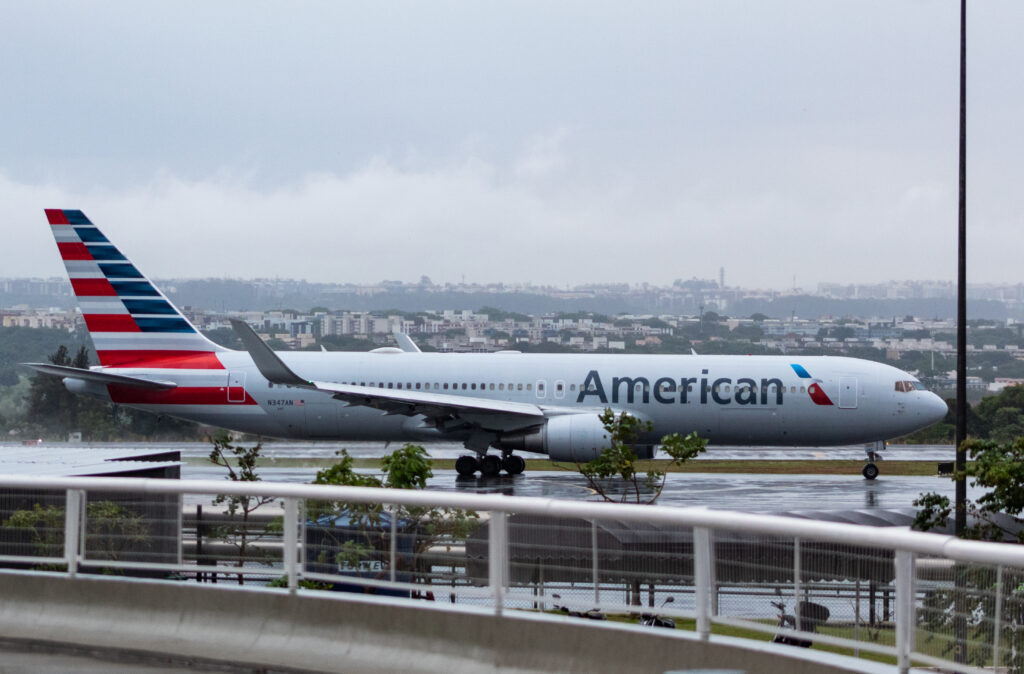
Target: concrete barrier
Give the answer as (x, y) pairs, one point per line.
(331, 632)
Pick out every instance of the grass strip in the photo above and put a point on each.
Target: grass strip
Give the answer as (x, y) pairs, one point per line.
(733, 466)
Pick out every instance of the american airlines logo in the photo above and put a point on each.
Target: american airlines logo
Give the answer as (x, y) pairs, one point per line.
(702, 390)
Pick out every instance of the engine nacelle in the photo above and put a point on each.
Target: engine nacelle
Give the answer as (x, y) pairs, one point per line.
(569, 437)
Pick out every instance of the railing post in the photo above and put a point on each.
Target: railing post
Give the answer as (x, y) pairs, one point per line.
(594, 571)
(904, 609)
(797, 573)
(702, 579)
(497, 550)
(394, 544)
(291, 541)
(998, 619)
(72, 528)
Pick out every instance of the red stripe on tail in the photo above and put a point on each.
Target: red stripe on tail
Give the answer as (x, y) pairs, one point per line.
(74, 251)
(175, 360)
(55, 216)
(110, 323)
(92, 287)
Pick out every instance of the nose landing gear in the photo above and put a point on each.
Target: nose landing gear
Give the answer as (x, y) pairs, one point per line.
(872, 449)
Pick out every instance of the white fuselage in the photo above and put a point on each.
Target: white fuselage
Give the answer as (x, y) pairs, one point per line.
(740, 400)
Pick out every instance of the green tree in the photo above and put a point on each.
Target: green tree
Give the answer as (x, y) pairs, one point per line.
(240, 463)
(407, 467)
(52, 409)
(111, 530)
(618, 460)
(996, 515)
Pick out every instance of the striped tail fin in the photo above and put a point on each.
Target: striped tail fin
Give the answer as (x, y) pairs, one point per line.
(132, 323)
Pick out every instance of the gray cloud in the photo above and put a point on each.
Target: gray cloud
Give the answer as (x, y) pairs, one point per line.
(545, 142)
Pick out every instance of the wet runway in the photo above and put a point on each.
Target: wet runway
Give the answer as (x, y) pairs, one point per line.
(715, 490)
(452, 450)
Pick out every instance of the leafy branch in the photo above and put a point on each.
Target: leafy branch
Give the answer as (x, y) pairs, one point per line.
(619, 460)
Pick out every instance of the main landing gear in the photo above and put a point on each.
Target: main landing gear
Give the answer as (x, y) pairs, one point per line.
(872, 449)
(489, 465)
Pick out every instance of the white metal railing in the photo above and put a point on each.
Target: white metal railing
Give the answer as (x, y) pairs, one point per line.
(698, 558)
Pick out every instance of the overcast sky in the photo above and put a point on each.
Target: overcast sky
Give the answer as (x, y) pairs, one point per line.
(549, 142)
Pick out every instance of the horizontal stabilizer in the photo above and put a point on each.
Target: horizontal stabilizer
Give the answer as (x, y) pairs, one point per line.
(267, 362)
(100, 377)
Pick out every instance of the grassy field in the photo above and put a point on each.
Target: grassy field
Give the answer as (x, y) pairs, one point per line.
(772, 467)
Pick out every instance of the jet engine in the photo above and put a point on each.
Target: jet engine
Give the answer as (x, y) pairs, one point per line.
(570, 437)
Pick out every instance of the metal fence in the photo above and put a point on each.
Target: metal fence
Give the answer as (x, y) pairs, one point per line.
(907, 596)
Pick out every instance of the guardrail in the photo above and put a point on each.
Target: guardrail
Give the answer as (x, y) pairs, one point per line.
(889, 591)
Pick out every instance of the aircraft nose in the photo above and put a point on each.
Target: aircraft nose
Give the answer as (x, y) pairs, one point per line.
(933, 408)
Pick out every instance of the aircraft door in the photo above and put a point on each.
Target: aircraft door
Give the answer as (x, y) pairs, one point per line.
(236, 386)
(847, 393)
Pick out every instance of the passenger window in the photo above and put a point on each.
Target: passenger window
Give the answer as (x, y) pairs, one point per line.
(529, 387)
(399, 384)
(802, 390)
(520, 387)
(463, 386)
(501, 387)
(446, 386)
(572, 387)
(559, 386)
(391, 385)
(472, 386)
(492, 387)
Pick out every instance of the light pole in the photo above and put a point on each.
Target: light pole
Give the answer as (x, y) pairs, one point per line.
(960, 605)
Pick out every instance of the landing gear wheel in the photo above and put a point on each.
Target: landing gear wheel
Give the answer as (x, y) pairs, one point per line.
(513, 465)
(490, 465)
(466, 466)
(870, 471)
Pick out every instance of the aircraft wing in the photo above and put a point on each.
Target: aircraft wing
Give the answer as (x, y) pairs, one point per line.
(445, 411)
(100, 376)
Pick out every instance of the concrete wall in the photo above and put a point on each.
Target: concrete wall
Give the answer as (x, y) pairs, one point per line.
(361, 633)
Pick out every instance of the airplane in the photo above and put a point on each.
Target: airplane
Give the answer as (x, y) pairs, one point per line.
(152, 358)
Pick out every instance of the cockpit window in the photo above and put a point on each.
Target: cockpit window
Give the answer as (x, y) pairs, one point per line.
(908, 386)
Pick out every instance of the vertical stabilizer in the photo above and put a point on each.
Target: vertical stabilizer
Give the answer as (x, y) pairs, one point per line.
(132, 323)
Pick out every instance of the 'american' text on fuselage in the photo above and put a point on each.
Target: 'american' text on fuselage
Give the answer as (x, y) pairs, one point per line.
(667, 390)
